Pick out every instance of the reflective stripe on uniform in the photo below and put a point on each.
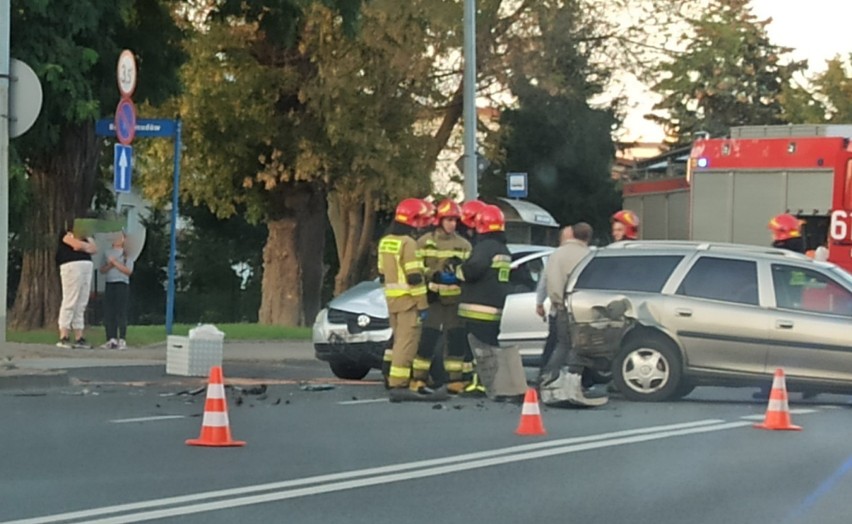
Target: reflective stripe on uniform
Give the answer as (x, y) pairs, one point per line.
(503, 265)
(451, 365)
(421, 364)
(414, 266)
(388, 356)
(445, 290)
(480, 312)
(397, 290)
(398, 372)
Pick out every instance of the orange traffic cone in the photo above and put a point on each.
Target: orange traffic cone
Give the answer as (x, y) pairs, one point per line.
(778, 412)
(530, 416)
(215, 430)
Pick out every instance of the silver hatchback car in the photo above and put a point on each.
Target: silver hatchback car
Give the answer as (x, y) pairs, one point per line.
(669, 316)
(352, 332)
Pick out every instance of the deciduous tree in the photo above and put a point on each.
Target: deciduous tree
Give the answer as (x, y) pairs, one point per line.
(73, 46)
(729, 74)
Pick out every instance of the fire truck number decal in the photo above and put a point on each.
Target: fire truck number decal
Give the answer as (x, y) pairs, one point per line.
(841, 225)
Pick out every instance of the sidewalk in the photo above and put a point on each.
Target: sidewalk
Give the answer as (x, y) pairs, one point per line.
(28, 365)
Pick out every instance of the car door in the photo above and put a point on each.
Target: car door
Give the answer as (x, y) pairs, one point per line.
(520, 325)
(716, 315)
(812, 323)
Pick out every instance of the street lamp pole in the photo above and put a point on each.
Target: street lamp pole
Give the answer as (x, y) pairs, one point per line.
(471, 191)
(5, 71)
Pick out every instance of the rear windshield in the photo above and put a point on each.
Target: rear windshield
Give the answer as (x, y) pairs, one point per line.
(629, 273)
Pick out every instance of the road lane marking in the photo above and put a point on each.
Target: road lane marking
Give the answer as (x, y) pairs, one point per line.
(410, 475)
(416, 466)
(145, 419)
(366, 401)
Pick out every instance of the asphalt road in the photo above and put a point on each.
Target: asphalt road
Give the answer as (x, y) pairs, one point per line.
(110, 448)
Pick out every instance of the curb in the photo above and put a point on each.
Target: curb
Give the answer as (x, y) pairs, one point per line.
(33, 378)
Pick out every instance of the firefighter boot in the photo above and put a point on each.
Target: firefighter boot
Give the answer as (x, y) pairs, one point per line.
(418, 391)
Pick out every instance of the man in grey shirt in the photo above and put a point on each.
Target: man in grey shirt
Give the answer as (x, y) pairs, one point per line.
(562, 373)
(566, 234)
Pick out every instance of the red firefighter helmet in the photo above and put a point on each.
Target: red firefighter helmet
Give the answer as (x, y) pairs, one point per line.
(412, 212)
(630, 221)
(447, 209)
(784, 227)
(490, 220)
(429, 218)
(470, 210)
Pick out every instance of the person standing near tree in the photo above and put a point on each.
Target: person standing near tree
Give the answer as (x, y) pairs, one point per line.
(74, 258)
(117, 270)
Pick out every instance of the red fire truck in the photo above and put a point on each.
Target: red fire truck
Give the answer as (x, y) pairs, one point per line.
(733, 186)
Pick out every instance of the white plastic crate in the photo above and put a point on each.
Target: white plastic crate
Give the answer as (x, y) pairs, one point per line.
(192, 357)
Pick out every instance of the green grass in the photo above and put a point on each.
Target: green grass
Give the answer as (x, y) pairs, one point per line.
(146, 335)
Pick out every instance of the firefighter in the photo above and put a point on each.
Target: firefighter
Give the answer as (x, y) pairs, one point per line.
(442, 249)
(625, 225)
(469, 212)
(786, 233)
(401, 273)
(485, 282)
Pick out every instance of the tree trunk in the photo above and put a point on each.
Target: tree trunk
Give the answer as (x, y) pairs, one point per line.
(352, 216)
(292, 257)
(62, 187)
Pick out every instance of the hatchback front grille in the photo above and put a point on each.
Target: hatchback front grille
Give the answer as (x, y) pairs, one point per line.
(357, 322)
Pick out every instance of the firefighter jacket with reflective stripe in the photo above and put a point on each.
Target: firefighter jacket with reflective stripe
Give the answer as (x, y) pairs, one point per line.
(437, 248)
(485, 276)
(402, 270)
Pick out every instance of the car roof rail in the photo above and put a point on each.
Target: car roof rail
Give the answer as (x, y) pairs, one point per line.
(706, 246)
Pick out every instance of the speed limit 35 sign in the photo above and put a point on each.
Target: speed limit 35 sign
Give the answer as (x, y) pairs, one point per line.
(126, 73)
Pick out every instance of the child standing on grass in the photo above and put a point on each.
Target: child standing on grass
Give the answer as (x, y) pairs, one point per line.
(117, 270)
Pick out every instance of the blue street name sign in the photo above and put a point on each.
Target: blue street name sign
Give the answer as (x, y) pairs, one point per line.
(123, 162)
(145, 127)
(516, 185)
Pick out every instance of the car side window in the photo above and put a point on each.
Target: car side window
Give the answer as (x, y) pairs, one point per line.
(628, 273)
(724, 279)
(806, 290)
(525, 277)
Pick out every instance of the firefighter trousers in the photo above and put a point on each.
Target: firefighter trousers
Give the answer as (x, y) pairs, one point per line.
(442, 328)
(406, 336)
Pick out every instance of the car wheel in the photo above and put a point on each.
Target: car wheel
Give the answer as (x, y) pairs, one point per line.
(648, 369)
(349, 370)
(684, 389)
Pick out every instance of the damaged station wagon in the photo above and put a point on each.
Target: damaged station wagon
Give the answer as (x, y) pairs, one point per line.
(667, 316)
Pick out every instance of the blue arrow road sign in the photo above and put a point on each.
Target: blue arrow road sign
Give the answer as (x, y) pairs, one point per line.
(123, 168)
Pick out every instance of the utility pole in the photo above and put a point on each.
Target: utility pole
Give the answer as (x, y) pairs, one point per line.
(5, 70)
(471, 190)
